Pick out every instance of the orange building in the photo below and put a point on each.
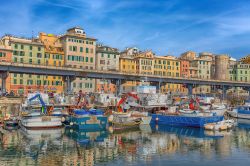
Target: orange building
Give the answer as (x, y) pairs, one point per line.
(54, 56)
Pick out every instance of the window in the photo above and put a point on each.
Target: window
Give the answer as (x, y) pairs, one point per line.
(47, 55)
(74, 48)
(15, 59)
(102, 55)
(22, 53)
(30, 61)
(108, 55)
(39, 55)
(21, 60)
(91, 60)
(15, 52)
(30, 54)
(16, 46)
(39, 61)
(87, 50)
(114, 56)
(30, 47)
(81, 49)
(22, 47)
(39, 48)
(15, 81)
(87, 59)
(29, 82)
(21, 81)
(21, 75)
(103, 62)
(38, 82)
(70, 48)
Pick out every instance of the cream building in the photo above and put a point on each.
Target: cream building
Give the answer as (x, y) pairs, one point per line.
(79, 51)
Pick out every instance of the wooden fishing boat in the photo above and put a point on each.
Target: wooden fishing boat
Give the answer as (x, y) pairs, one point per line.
(219, 126)
(92, 119)
(123, 121)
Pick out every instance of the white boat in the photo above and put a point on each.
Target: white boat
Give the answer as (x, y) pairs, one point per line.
(146, 119)
(41, 121)
(242, 112)
(39, 115)
(194, 113)
(218, 109)
(219, 126)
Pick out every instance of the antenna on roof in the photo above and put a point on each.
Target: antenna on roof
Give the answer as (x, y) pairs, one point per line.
(32, 35)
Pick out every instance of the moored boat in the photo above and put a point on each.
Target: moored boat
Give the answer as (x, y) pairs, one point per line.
(182, 120)
(219, 126)
(242, 112)
(88, 119)
(39, 115)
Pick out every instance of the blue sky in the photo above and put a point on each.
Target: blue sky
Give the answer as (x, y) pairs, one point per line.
(165, 26)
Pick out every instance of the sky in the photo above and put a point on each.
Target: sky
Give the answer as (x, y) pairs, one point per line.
(167, 27)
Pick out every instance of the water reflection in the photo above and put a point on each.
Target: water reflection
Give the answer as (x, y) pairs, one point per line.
(145, 145)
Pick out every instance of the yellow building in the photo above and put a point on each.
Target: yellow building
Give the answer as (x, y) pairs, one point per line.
(144, 62)
(246, 59)
(127, 64)
(54, 56)
(167, 66)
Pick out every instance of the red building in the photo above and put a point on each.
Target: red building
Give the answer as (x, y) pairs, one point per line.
(5, 56)
(185, 68)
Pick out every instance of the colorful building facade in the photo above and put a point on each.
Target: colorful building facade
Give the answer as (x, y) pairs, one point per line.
(54, 56)
(29, 51)
(79, 51)
(107, 59)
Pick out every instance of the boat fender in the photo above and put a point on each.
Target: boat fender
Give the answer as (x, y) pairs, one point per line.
(63, 119)
(111, 130)
(71, 123)
(110, 118)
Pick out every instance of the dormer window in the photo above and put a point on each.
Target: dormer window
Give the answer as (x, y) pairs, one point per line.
(79, 31)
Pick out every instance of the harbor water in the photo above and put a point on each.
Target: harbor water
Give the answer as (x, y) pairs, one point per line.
(147, 145)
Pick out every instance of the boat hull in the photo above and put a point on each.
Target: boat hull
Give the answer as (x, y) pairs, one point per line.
(39, 122)
(188, 121)
(146, 120)
(239, 114)
(88, 122)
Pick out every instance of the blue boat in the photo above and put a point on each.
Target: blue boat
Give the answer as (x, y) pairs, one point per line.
(92, 119)
(182, 120)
